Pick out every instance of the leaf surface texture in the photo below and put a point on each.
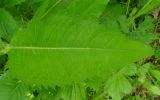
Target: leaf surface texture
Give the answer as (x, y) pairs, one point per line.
(65, 42)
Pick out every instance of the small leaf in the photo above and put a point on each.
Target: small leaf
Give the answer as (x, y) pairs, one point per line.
(94, 83)
(156, 74)
(12, 89)
(147, 24)
(117, 86)
(124, 23)
(74, 92)
(154, 89)
(157, 53)
(129, 70)
(112, 11)
(142, 70)
(8, 25)
(144, 31)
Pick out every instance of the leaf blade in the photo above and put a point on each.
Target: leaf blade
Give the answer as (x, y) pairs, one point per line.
(100, 44)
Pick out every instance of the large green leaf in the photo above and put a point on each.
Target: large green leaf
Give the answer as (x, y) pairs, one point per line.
(66, 43)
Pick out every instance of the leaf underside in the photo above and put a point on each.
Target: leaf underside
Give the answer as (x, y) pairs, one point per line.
(65, 43)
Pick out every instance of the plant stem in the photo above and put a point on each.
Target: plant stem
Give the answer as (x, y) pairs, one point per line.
(128, 5)
(141, 11)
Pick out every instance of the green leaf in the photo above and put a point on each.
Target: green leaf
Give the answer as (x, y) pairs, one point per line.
(143, 70)
(117, 86)
(95, 83)
(129, 70)
(157, 53)
(8, 25)
(156, 74)
(154, 89)
(12, 89)
(67, 43)
(74, 92)
(69, 92)
(3, 47)
(144, 32)
(147, 24)
(113, 10)
(47, 93)
(123, 21)
(149, 6)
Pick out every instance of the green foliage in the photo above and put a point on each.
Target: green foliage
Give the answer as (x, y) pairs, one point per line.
(154, 89)
(77, 91)
(12, 89)
(150, 5)
(156, 74)
(8, 25)
(118, 86)
(78, 50)
(144, 32)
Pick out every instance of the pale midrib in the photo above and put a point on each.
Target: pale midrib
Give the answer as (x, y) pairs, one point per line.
(68, 48)
(54, 48)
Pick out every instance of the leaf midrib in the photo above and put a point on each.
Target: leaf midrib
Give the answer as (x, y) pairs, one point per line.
(69, 48)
